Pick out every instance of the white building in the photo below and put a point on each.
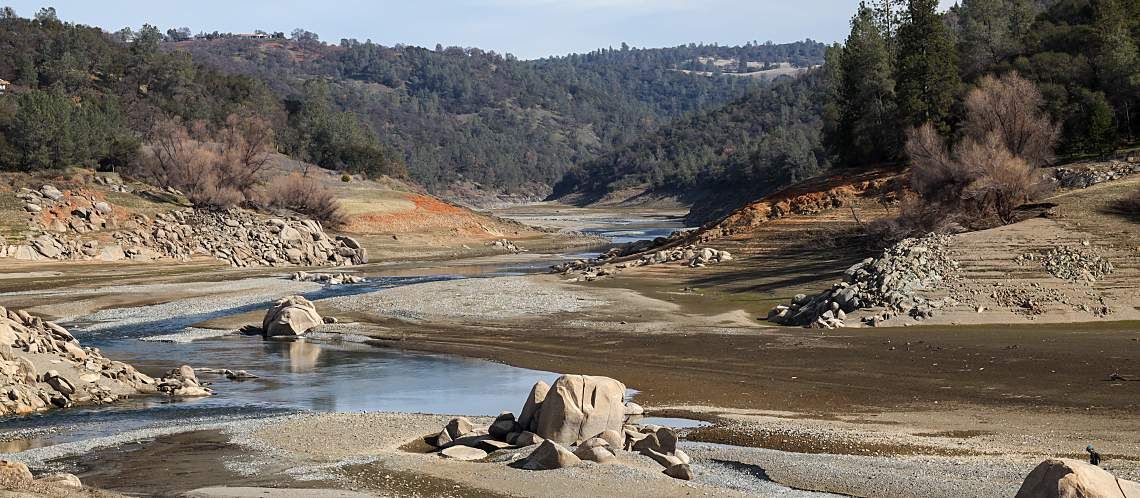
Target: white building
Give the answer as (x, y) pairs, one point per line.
(3, 86)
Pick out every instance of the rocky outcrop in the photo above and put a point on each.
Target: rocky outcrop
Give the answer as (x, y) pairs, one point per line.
(891, 281)
(65, 226)
(292, 316)
(605, 265)
(1064, 478)
(579, 407)
(182, 382)
(506, 245)
(579, 419)
(1085, 176)
(328, 278)
(43, 366)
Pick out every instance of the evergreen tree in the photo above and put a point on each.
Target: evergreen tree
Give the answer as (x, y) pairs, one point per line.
(1115, 58)
(927, 70)
(867, 131)
(991, 30)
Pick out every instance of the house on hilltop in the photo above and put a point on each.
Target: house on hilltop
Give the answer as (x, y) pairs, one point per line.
(4, 86)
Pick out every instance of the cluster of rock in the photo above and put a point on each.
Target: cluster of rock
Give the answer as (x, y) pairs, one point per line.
(237, 237)
(63, 213)
(691, 256)
(328, 278)
(292, 316)
(16, 479)
(891, 281)
(506, 245)
(42, 366)
(182, 382)
(1070, 263)
(1087, 176)
(579, 418)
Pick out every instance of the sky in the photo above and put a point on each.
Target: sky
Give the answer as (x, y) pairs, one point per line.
(526, 28)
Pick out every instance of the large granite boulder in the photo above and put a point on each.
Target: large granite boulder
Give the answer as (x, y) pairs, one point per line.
(1065, 478)
(528, 417)
(290, 317)
(579, 407)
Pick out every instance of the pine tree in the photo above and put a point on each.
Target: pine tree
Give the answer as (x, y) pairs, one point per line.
(1115, 58)
(867, 121)
(927, 69)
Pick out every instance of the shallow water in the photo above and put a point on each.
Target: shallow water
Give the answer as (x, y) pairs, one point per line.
(301, 375)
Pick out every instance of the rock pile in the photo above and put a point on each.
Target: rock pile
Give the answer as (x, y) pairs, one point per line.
(1087, 176)
(292, 316)
(328, 278)
(506, 245)
(690, 255)
(237, 237)
(42, 366)
(1070, 263)
(182, 382)
(891, 281)
(579, 418)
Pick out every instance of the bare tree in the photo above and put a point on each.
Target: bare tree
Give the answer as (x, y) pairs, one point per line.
(1012, 107)
(993, 170)
(306, 196)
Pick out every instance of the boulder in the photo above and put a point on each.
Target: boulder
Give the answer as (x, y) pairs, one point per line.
(503, 425)
(680, 471)
(595, 450)
(13, 473)
(459, 427)
(581, 406)
(616, 439)
(465, 453)
(549, 456)
(1065, 478)
(632, 408)
(528, 417)
(61, 479)
(290, 317)
(525, 438)
(112, 252)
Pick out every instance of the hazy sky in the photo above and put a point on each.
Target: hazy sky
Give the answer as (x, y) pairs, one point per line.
(526, 28)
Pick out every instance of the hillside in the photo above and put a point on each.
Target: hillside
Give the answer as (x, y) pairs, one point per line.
(718, 159)
(466, 115)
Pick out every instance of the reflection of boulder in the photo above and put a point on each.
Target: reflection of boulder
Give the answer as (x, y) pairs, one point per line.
(303, 356)
(290, 317)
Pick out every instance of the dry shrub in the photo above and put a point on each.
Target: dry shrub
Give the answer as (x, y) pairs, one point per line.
(215, 170)
(1011, 107)
(306, 196)
(992, 171)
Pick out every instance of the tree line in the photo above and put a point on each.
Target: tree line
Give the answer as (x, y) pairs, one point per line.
(904, 66)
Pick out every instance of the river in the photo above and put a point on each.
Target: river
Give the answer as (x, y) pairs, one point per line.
(319, 374)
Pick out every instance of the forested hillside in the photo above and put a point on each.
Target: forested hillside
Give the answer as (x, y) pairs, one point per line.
(83, 98)
(458, 114)
(904, 64)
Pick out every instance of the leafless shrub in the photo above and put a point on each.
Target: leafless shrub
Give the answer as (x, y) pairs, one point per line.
(1011, 106)
(991, 172)
(218, 170)
(306, 196)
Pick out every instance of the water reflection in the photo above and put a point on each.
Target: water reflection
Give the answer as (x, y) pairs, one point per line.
(303, 355)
